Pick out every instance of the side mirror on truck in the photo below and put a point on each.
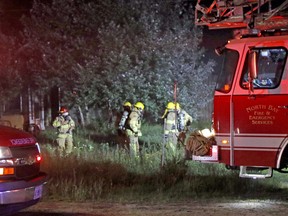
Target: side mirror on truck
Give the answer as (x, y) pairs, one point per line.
(252, 69)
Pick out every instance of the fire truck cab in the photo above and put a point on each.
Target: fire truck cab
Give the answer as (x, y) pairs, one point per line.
(250, 118)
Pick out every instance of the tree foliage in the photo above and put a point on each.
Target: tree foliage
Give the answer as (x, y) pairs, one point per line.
(10, 80)
(102, 53)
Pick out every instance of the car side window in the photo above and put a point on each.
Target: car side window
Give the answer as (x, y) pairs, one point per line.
(270, 62)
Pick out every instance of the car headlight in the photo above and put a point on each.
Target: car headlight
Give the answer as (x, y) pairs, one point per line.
(5, 153)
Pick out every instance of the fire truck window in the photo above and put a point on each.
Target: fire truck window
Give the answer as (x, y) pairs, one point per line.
(227, 72)
(271, 62)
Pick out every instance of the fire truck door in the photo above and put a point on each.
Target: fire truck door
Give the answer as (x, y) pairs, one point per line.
(260, 117)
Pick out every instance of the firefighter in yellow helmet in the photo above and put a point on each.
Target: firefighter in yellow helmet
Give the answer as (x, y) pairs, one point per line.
(170, 128)
(65, 126)
(122, 125)
(184, 120)
(127, 106)
(134, 128)
(176, 122)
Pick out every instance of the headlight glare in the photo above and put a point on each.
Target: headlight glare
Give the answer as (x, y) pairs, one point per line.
(5, 153)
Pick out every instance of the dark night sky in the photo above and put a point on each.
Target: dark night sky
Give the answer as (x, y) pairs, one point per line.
(11, 11)
(215, 38)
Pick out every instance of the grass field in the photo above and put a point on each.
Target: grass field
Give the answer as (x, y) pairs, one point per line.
(100, 169)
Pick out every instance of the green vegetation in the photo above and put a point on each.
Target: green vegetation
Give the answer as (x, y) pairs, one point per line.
(102, 53)
(99, 170)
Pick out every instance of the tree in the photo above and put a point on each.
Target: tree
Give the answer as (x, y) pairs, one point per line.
(60, 38)
(10, 81)
(151, 48)
(105, 52)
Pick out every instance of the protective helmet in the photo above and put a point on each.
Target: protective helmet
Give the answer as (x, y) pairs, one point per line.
(127, 104)
(177, 105)
(170, 105)
(63, 110)
(139, 105)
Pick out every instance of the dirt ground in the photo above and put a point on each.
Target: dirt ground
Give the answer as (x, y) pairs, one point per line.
(199, 208)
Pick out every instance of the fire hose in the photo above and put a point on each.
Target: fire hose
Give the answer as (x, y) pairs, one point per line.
(197, 144)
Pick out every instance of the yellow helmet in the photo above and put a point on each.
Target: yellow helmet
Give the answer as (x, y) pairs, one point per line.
(177, 105)
(170, 105)
(139, 105)
(127, 103)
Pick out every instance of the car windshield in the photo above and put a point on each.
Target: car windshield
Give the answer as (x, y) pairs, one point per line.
(228, 70)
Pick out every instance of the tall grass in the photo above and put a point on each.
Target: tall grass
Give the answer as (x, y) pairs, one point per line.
(105, 171)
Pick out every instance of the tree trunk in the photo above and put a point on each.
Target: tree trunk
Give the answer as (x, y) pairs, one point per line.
(48, 111)
(30, 108)
(42, 114)
(87, 115)
(82, 121)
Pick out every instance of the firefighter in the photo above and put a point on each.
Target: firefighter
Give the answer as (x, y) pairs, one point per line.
(127, 106)
(65, 126)
(170, 128)
(122, 136)
(176, 122)
(184, 121)
(133, 129)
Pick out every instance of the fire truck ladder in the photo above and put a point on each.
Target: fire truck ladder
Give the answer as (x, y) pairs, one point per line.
(251, 14)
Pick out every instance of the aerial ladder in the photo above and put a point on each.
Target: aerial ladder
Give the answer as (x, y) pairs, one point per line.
(249, 14)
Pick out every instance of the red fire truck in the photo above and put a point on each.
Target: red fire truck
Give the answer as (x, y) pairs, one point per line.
(250, 119)
(21, 181)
